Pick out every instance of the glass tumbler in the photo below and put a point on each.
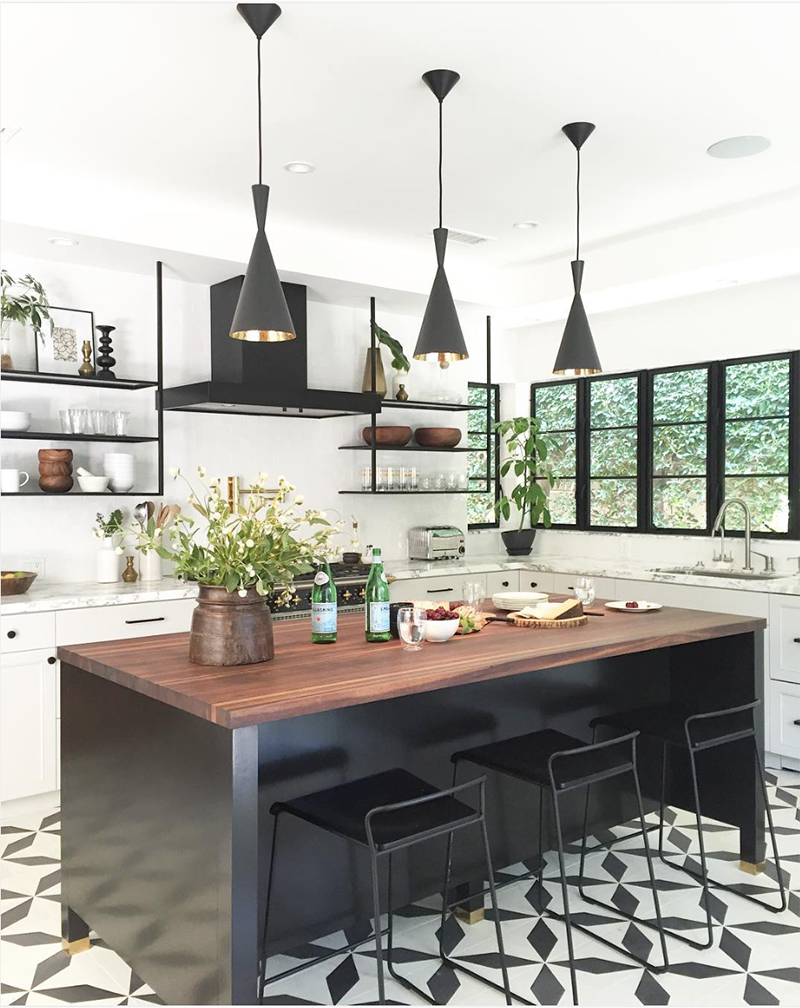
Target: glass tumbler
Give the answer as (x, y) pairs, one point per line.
(119, 422)
(411, 627)
(584, 590)
(67, 421)
(474, 593)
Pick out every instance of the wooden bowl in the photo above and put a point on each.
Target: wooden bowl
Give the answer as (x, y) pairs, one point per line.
(16, 585)
(437, 437)
(388, 436)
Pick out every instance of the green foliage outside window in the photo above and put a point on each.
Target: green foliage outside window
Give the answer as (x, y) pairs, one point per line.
(482, 476)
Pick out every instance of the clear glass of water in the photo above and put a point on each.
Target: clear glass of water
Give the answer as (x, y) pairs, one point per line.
(584, 590)
(474, 593)
(411, 627)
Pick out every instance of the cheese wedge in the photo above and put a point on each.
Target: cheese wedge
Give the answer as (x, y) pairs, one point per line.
(552, 610)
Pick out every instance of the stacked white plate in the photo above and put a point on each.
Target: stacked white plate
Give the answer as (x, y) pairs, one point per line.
(121, 471)
(514, 601)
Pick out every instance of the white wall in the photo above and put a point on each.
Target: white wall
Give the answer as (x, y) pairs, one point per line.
(58, 529)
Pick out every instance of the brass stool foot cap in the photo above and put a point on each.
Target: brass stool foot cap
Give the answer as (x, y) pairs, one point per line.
(470, 916)
(752, 868)
(73, 948)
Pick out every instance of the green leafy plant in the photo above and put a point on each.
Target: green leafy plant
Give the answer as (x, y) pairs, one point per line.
(110, 526)
(262, 542)
(23, 300)
(399, 360)
(527, 451)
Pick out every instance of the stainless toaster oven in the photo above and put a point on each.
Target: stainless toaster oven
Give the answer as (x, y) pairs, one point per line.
(435, 542)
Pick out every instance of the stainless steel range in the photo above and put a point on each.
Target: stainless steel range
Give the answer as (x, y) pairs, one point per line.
(351, 584)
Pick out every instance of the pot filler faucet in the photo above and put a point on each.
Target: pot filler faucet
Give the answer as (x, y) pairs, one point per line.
(719, 527)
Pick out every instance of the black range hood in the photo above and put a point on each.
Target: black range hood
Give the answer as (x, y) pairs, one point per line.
(262, 379)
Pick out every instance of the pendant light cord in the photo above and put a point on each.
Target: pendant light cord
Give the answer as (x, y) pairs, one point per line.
(258, 85)
(578, 206)
(441, 188)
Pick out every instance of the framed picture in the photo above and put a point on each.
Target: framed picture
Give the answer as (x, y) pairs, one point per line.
(59, 347)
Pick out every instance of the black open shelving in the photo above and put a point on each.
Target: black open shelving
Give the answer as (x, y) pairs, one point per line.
(405, 493)
(408, 404)
(50, 378)
(414, 448)
(61, 436)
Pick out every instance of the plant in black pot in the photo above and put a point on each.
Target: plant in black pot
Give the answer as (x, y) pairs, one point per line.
(526, 449)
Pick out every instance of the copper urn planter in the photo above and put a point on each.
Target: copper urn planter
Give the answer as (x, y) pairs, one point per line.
(230, 629)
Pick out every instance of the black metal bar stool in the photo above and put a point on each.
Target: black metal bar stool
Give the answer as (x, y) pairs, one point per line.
(694, 732)
(558, 762)
(384, 813)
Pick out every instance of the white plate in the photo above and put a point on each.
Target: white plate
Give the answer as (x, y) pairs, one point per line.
(512, 601)
(641, 607)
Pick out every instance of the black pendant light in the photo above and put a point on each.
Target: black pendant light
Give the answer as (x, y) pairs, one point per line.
(440, 337)
(577, 354)
(262, 315)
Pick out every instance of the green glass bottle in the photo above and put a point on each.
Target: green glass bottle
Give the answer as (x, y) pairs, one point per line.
(323, 607)
(377, 602)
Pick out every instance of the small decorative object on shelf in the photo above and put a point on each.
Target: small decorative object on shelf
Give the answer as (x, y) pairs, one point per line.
(55, 470)
(402, 395)
(23, 301)
(527, 450)
(104, 357)
(129, 575)
(109, 531)
(380, 375)
(86, 370)
(58, 344)
(238, 553)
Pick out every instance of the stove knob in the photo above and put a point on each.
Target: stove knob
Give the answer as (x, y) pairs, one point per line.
(362, 593)
(347, 594)
(296, 600)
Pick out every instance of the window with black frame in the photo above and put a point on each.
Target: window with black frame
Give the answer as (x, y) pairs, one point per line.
(484, 484)
(613, 452)
(556, 407)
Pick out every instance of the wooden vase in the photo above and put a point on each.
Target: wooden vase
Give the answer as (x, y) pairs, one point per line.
(55, 470)
(228, 629)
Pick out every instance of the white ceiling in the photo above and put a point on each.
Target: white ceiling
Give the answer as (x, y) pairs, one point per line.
(157, 99)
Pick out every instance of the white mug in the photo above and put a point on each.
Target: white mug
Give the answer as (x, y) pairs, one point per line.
(10, 480)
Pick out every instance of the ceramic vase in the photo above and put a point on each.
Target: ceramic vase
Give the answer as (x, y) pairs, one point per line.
(107, 561)
(380, 375)
(228, 629)
(150, 566)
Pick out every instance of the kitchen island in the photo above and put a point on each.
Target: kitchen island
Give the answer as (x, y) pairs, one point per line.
(169, 770)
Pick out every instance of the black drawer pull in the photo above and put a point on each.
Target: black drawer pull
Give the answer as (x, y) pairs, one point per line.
(12, 634)
(51, 660)
(797, 722)
(797, 640)
(534, 584)
(434, 591)
(505, 584)
(150, 619)
(570, 587)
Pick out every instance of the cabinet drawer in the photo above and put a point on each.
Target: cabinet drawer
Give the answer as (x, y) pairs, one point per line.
(784, 638)
(139, 619)
(497, 581)
(564, 584)
(784, 736)
(543, 581)
(445, 589)
(28, 631)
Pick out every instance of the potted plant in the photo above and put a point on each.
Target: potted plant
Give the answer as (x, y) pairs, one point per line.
(400, 362)
(109, 531)
(526, 449)
(238, 555)
(23, 301)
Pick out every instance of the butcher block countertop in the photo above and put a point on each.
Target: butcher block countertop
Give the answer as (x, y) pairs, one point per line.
(306, 678)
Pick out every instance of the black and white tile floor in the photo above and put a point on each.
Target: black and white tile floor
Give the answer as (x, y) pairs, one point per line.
(755, 959)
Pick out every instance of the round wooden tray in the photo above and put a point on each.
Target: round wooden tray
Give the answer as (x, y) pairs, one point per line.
(548, 624)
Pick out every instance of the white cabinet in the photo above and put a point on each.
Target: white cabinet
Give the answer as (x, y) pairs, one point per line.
(784, 718)
(119, 622)
(497, 581)
(720, 600)
(784, 638)
(446, 588)
(564, 584)
(28, 631)
(28, 726)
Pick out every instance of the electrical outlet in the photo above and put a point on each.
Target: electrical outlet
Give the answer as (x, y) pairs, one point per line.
(35, 565)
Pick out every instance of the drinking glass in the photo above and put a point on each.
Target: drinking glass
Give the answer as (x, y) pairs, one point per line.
(411, 477)
(451, 480)
(119, 422)
(584, 590)
(391, 478)
(366, 478)
(411, 627)
(426, 483)
(474, 593)
(66, 416)
(82, 422)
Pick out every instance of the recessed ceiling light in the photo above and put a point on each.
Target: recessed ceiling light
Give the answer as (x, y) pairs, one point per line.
(300, 167)
(63, 242)
(526, 225)
(738, 147)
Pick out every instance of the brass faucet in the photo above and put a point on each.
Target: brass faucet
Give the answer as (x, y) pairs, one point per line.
(234, 490)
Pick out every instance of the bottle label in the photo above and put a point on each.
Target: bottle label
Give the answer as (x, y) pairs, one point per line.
(378, 617)
(321, 578)
(323, 617)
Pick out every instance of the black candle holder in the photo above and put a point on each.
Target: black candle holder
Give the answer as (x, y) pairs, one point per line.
(104, 357)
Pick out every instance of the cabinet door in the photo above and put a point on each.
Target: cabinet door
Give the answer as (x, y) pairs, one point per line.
(119, 622)
(497, 581)
(564, 584)
(444, 589)
(784, 638)
(28, 737)
(785, 719)
(543, 581)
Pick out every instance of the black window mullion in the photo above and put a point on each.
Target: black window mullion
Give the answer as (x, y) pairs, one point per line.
(794, 445)
(644, 451)
(582, 455)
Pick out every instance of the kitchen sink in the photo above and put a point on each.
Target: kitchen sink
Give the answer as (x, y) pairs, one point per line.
(730, 574)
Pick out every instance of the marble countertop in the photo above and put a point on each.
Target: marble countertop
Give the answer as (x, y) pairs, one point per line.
(47, 597)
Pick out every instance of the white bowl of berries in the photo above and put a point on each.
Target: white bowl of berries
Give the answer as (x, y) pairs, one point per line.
(441, 624)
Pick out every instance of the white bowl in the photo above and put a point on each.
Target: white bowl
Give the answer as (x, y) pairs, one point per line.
(121, 484)
(440, 630)
(11, 420)
(93, 484)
